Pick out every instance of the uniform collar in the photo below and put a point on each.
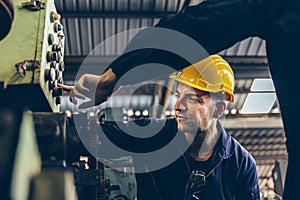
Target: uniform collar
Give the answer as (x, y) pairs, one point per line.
(226, 143)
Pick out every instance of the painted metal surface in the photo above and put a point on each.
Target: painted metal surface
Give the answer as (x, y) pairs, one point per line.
(28, 40)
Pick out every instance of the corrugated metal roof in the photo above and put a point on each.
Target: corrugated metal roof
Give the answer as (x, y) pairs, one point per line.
(120, 5)
(262, 143)
(252, 46)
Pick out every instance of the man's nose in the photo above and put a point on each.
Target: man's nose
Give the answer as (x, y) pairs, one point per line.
(179, 105)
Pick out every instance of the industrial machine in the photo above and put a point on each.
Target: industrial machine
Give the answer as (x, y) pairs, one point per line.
(32, 57)
(42, 156)
(63, 153)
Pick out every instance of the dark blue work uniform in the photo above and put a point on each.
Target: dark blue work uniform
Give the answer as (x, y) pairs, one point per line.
(230, 172)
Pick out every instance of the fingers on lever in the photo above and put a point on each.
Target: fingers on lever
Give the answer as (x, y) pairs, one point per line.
(72, 91)
(65, 87)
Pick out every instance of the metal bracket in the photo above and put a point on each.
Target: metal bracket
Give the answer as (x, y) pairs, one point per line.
(34, 5)
(30, 65)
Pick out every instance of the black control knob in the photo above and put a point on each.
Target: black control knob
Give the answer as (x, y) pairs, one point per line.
(52, 85)
(56, 47)
(57, 27)
(53, 64)
(50, 74)
(57, 100)
(57, 92)
(61, 66)
(57, 74)
(50, 39)
(51, 56)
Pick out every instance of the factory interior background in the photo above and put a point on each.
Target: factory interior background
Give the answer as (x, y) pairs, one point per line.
(93, 33)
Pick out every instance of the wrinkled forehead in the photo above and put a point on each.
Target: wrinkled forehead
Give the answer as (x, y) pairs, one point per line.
(185, 89)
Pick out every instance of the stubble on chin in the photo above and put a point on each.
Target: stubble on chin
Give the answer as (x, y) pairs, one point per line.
(189, 128)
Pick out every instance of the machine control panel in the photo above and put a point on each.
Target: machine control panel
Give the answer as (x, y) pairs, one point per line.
(33, 57)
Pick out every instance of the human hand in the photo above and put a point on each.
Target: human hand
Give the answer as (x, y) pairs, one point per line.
(97, 88)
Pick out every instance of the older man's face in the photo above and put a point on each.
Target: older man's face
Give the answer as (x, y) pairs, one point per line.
(194, 109)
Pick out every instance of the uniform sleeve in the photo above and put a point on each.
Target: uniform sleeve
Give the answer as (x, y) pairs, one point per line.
(218, 24)
(142, 56)
(247, 187)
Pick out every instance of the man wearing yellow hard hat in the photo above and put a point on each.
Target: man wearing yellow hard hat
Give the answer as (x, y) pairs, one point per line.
(210, 163)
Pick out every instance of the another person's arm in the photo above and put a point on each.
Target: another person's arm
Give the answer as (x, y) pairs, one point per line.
(219, 24)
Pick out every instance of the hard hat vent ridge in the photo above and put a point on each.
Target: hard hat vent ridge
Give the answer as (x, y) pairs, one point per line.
(212, 74)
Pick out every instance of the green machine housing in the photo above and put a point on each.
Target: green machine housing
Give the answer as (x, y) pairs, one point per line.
(32, 58)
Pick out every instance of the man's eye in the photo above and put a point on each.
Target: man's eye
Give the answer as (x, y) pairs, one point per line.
(176, 96)
(194, 99)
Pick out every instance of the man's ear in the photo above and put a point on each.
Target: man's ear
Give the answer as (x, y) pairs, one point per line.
(220, 108)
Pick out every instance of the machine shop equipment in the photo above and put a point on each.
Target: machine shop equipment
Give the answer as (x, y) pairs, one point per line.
(53, 161)
(45, 157)
(63, 152)
(57, 166)
(32, 57)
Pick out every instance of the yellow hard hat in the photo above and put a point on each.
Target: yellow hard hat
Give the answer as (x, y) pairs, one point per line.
(212, 74)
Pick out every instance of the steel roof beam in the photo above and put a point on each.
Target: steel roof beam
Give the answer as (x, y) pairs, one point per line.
(113, 14)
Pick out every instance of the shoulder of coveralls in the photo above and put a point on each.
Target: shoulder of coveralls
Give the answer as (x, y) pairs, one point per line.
(241, 166)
